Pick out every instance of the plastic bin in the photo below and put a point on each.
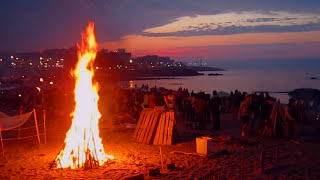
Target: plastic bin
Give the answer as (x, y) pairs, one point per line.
(204, 145)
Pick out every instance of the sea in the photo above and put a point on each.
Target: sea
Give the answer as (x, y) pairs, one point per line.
(276, 82)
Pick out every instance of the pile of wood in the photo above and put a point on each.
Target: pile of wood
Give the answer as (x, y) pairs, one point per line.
(155, 127)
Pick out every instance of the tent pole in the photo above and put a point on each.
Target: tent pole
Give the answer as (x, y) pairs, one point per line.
(44, 126)
(2, 148)
(35, 120)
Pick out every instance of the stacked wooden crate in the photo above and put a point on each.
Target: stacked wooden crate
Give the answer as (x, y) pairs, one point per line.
(155, 127)
(146, 126)
(165, 130)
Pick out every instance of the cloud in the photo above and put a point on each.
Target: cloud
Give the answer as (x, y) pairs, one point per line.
(33, 24)
(136, 42)
(238, 22)
(263, 19)
(241, 52)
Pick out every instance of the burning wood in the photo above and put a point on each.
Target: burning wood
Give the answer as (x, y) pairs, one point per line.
(83, 147)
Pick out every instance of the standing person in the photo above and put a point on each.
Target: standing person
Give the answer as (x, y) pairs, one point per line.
(244, 114)
(290, 117)
(216, 102)
(171, 100)
(230, 102)
(200, 112)
(152, 100)
(237, 101)
(146, 100)
(266, 108)
(255, 105)
(207, 100)
(193, 106)
(301, 113)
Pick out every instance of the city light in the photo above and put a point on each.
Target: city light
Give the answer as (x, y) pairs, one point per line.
(131, 61)
(41, 79)
(131, 84)
(51, 82)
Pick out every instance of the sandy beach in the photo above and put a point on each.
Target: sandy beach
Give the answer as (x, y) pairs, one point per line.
(26, 159)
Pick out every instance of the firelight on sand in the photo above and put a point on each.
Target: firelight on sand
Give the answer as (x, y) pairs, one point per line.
(83, 147)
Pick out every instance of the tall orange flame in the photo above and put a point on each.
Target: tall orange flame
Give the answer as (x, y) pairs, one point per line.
(83, 145)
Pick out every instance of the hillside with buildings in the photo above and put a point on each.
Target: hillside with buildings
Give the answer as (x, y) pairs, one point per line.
(118, 64)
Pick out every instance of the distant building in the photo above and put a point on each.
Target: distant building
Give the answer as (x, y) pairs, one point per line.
(200, 63)
(112, 60)
(121, 50)
(51, 58)
(154, 61)
(103, 50)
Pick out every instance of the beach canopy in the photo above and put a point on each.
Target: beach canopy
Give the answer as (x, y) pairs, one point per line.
(11, 122)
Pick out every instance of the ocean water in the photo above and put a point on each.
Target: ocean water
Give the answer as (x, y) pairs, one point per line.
(243, 80)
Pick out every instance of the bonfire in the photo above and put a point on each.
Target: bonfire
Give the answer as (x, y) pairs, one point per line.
(83, 147)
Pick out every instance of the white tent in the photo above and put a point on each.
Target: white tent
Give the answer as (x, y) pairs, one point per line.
(12, 122)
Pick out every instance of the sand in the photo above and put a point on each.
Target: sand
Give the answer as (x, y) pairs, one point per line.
(26, 159)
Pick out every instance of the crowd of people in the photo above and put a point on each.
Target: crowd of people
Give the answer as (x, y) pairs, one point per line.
(199, 111)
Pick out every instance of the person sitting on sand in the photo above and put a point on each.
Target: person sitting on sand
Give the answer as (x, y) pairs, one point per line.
(244, 114)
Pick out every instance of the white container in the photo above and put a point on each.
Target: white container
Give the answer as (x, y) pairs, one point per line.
(204, 145)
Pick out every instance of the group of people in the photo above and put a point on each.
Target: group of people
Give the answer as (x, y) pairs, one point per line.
(199, 111)
(273, 119)
(253, 108)
(260, 114)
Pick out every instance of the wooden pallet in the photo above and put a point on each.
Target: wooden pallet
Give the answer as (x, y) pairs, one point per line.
(155, 127)
(146, 126)
(141, 120)
(165, 130)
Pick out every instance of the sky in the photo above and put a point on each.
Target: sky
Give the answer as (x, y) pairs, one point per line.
(186, 30)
